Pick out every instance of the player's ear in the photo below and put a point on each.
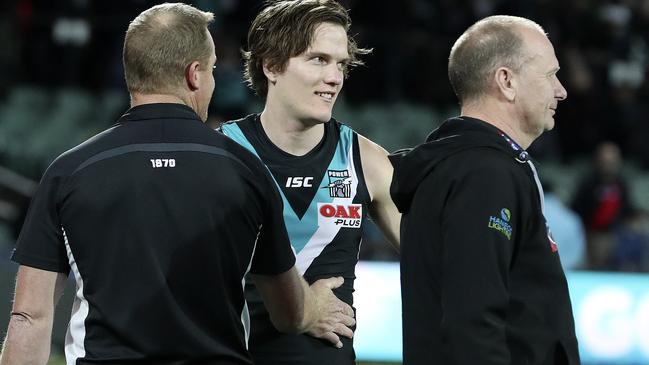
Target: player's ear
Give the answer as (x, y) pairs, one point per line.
(271, 72)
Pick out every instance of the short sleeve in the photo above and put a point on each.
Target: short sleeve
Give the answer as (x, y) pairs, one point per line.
(41, 242)
(273, 253)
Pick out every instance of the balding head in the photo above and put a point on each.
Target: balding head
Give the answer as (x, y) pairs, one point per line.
(487, 45)
(160, 43)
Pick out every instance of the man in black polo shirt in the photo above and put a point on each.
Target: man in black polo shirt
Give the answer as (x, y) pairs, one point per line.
(159, 218)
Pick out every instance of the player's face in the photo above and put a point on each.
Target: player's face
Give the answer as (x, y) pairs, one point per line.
(206, 88)
(539, 89)
(308, 87)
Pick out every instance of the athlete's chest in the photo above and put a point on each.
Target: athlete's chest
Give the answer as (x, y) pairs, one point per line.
(324, 194)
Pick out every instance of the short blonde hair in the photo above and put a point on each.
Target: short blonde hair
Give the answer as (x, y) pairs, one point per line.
(160, 43)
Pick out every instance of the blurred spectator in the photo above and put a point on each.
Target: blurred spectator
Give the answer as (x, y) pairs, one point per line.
(231, 96)
(566, 228)
(602, 200)
(603, 48)
(631, 250)
(15, 193)
(9, 39)
(603, 45)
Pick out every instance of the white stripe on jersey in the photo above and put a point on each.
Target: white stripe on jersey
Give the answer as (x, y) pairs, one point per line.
(76, 334)
(327, 232)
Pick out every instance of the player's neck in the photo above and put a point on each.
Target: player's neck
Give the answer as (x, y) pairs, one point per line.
(289, 134)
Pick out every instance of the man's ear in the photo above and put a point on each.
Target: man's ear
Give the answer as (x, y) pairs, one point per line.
(192, 76)
(506, 83)
(271, 73)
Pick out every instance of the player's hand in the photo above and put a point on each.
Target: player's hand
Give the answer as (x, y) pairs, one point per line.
(335, 317)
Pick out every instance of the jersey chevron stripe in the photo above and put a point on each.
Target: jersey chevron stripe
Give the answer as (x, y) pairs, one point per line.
(324, 235)
(305, 232)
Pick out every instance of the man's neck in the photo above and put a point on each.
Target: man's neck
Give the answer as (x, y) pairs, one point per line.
(289, 134)
(500, 119)
(141, 99)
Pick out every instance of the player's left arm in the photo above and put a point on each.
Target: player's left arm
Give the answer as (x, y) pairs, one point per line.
(30, 327)
(377, 171)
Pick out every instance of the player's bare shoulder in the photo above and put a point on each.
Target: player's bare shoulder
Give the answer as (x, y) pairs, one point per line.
(377, 169)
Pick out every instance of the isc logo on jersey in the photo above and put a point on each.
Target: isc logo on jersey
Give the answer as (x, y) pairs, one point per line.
(299, 182)
(342, 215)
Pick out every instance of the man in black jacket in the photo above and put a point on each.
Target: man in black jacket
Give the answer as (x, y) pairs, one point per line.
(480, 272)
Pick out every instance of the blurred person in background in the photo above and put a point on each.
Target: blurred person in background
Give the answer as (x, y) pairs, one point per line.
(159, 218)
(567, 229)
(481, 279)
(631, 248)
(602, 199)
(330, 177)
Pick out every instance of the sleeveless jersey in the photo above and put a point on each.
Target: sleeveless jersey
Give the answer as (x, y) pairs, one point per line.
(325, 203)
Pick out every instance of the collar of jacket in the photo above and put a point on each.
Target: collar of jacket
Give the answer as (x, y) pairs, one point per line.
(457, 134)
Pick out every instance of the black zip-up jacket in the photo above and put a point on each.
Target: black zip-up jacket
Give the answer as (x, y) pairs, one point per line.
(481, 279)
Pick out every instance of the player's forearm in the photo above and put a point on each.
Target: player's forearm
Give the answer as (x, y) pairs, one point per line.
(28, 340)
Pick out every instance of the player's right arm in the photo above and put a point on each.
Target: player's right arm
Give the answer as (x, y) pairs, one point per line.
(378, 171)
(30, 326)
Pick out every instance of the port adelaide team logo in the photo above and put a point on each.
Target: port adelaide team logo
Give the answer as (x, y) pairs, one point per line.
(336, 214)
(340, 184)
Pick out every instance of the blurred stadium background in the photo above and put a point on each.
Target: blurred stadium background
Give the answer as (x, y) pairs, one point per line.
(61, 77)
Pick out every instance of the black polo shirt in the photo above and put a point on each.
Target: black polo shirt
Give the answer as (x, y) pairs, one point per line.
(159, 218)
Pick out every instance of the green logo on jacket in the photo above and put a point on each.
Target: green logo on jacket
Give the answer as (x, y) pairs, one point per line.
(501, 224)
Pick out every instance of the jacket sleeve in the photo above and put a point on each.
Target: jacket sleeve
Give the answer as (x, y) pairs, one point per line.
(479, 227)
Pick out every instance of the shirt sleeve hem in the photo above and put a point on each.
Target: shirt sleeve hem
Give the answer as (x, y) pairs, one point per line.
(39, 263)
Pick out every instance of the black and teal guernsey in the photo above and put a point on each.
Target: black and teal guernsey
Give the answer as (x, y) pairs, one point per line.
(325, 204)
